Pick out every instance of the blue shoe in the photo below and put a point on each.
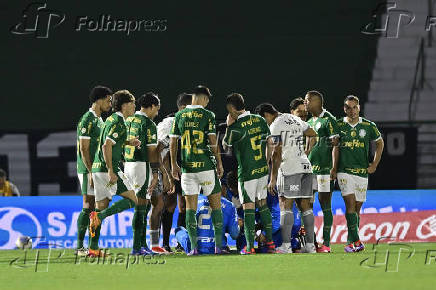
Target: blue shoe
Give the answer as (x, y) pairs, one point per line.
(349, 248)
(146, 251)
(135, 253)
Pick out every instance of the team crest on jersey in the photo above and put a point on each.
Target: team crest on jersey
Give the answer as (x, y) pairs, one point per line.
(115, 135)
(317, 126)
(83, 130)
(362, 133)
(353, 133)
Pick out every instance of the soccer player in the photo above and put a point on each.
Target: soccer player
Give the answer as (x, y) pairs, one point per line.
(205, 233)
(109, 180)
(298, 109)
(246, 134)
(170, 201)
(356, 135)
(142, 165)
(193, 125)
(88, 132)
(324, 160)
(292, 172)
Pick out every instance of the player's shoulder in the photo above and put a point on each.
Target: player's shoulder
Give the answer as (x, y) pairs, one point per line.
(88, 116)
(341, 121)
(208, 113)
(225, 203)
(366, 122)
(329, 115)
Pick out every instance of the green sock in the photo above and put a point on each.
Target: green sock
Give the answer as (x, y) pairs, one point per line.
(191, 227)
(115, 208)
(353, 235)
(358, 221)
(328, 222)
(93, 244)
(138, 226)
(144, 228)
(266, 219)
(249, 221)
(217, 221)
(82, 226)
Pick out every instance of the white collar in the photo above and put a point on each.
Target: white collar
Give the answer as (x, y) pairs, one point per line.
(194, 106)
(141, 113)
(93, 112)
(246, 113)
(120, 114)
(352, 126)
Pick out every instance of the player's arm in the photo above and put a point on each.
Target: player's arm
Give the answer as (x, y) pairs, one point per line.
(216, 152)
(233, 228)
(107, 155)
(166, 172)
(175, 169)
(334, 138)
(153, 158)
(85, 152)
(310, 136)
(276, 160)
(380, 144)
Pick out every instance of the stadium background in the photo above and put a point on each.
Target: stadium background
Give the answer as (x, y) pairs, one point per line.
(268, 53)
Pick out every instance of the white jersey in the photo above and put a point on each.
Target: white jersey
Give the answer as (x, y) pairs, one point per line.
(289, 129)
(163, 132)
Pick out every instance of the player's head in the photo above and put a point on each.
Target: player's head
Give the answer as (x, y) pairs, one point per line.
(2, 176)
(123, 101)
(183, 100)
(352, 107)
(268, 111)
(151, 103)
(232, 182)
(201, 96)
(313, 101)
(235, 104)
(102, 97)
(298, 109)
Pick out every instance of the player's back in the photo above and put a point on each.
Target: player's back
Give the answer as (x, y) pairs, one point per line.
(141, 127)
(205, 232)
(247, 136)
(193, 124)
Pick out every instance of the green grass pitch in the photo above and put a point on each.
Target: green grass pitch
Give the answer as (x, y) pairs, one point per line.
(405, 266)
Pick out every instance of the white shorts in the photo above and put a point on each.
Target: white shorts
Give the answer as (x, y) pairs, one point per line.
(321, 183)
(139, 174)
(104, 190)
(253, 189)
(85, 187)
(193, 183)
(353, 184)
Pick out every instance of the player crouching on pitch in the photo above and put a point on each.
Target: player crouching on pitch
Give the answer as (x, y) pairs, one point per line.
(356, 135)
(109, 180)
(292, 169)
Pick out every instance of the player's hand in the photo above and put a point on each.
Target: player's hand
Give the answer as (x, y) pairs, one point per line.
(135, 142)
(112, 178)
(272, 186)
(172, 186)
(230, 120)
(90, 180)
(333, 174)
(175, 171)
(372, 168)
(153, 184)
(219, 170)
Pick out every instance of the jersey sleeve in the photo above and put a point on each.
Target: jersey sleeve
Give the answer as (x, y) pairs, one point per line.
(151, 132)
(232, 135)
(116, 134)
(175, 131)
(164, 128)
(275, 132)
(211, 126)
(333, 129)
(374, 132)
(85, 128)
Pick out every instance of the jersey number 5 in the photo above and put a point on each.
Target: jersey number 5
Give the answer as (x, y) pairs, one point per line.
(256, 147)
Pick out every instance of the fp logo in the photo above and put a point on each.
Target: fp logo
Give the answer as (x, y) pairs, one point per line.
(387, 20)
(38, 20)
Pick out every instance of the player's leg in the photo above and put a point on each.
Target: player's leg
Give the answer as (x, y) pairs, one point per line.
(325, 200)
(94, 233)
(361, 186)
(191, 189)
(247, 196)
(309, 224)
(181, 204)
(88, 205)
(170, 202)
(286, 223)
(155, 220)
(296, 230)
(212, 189)
(346, 184)
(264, 211)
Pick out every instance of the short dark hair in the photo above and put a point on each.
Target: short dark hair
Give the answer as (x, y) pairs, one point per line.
(316, 94)
(351, 98)
(2, 173)
(121, 97)
(295, 103)
(184, 99)
(148, 99)
(99, 92)
(202, 90)
(236, 100)
(265, 108)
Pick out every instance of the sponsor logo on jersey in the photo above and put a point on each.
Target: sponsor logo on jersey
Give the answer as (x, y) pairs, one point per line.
(294, 187)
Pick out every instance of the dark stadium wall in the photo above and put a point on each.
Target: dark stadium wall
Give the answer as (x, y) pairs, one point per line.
(268, 53)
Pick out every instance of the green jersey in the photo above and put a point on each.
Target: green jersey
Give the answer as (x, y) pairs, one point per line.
(142, 127)
(247, 136)
(193, 124)
(320, 156)
(89, 127)
(115, 130)
(354, 146)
